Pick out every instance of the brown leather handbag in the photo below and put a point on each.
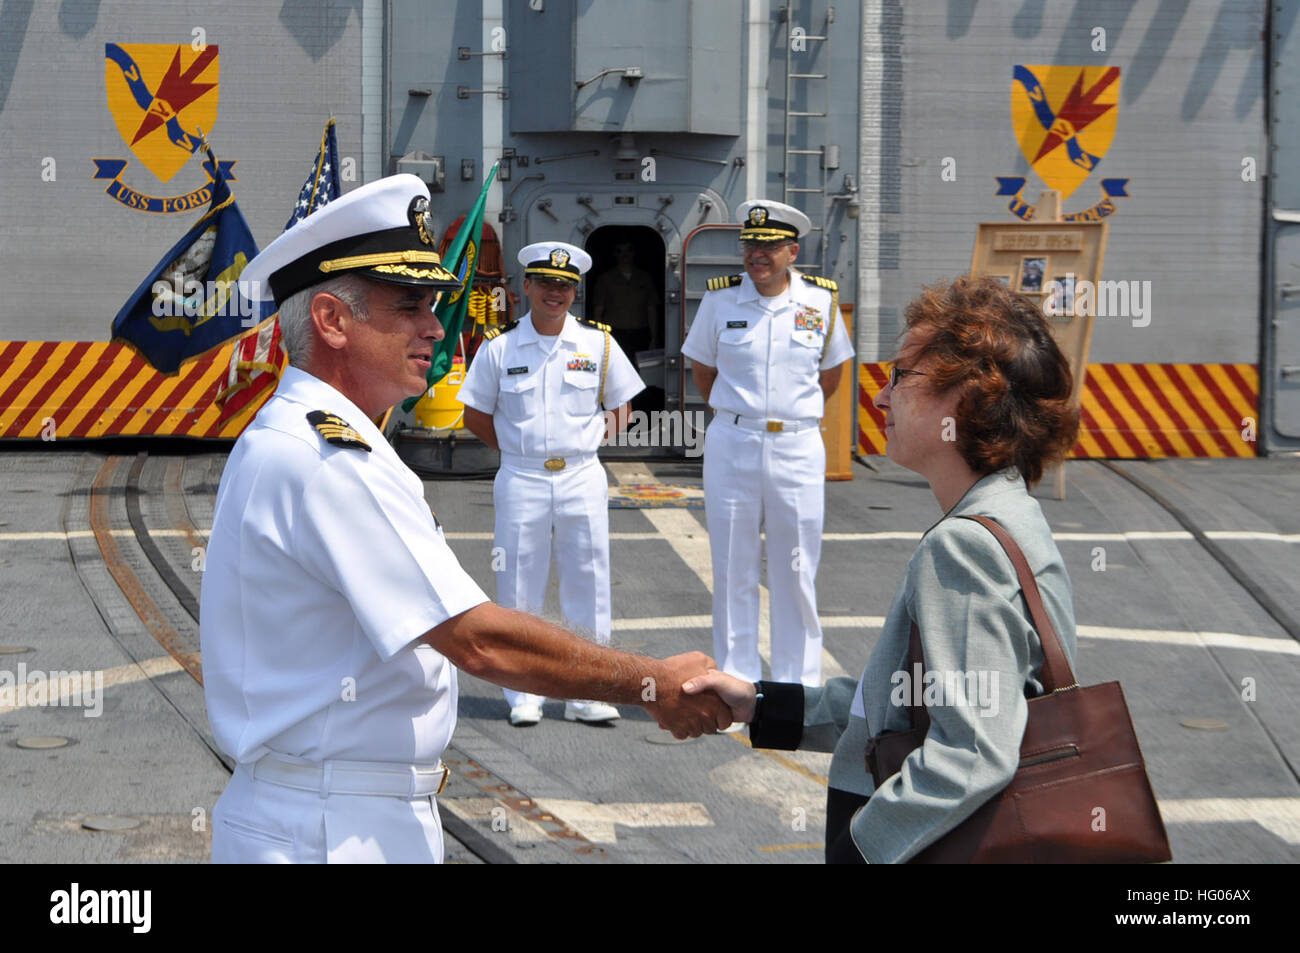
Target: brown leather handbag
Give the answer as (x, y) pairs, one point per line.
(1081, 793)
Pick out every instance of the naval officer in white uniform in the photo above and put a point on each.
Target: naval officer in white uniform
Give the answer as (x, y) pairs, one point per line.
(538, 390)
(767, 349)
(332, 610)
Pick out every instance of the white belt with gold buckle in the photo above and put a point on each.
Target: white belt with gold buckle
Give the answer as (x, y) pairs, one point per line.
(772, 426)
(551, 464)
(380, 778)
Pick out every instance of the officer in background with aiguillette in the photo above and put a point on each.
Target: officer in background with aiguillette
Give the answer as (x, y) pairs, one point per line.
(767, 349)
(536, 390)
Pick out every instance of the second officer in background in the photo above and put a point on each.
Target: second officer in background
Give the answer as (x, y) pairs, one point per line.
(768, 347)
(537, 390)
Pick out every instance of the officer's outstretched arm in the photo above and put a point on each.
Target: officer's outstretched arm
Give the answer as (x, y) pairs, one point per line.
(704, 376)
(482, 426)
(520, 651)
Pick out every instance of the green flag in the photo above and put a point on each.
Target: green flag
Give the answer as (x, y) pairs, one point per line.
(461, 260)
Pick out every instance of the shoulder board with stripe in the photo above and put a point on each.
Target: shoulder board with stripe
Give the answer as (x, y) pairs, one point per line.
(821, 282)
(595, 324)
(336, 430)
(725, 281)
(497, 332)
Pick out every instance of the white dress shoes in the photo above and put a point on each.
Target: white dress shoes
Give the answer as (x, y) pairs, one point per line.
(590, 711)
(521, 716)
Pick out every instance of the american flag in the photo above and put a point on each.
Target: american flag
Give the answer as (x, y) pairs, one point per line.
(258, 358)
(322, 185)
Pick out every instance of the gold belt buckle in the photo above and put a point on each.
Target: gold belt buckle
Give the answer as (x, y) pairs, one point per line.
(555, 463)
(446, 773)
(775, 426)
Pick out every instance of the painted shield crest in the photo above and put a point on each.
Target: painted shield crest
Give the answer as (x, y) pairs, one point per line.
(161, 95)
(1064, 118)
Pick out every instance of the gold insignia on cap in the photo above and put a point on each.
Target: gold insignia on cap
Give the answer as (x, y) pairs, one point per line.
(379, 258)
(421, 219)
(336, 430)
(559, 258)
(410, 272)
(758, 215)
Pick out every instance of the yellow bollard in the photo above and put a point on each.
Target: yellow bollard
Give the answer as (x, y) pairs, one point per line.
(439, 408)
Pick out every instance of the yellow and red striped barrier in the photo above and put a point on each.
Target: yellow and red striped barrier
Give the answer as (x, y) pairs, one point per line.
(61, 389)
(1133, 410)
(94, 389)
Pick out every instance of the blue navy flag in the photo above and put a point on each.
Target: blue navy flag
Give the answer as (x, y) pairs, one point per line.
(322, 185)
(191, 302)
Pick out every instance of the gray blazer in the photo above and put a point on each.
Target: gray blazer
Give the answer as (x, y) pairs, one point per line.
(980, 654)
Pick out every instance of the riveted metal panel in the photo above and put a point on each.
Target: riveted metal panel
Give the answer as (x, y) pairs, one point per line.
(936, 132)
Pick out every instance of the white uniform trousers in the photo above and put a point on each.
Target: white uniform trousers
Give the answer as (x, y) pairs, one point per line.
(573, 504)
(258, 822)
(776, 481)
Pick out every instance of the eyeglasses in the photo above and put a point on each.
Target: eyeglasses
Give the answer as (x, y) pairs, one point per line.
(897, 373)
(749, 246)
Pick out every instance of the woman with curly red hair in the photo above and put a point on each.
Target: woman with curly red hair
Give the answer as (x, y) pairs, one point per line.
(978, 403)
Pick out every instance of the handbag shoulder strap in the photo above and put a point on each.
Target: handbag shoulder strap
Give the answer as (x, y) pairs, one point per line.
(1057, 673)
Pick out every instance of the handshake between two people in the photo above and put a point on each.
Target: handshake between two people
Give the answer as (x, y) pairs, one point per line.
(700, 699)
(685, 693)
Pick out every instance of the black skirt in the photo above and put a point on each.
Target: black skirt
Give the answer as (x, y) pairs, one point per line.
(840, 808)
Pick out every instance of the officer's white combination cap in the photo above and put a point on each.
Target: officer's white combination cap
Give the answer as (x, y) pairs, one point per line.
(554, 260)
(381, 230)
(765, 221)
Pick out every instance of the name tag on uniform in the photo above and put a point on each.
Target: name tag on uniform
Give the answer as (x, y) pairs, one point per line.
(516, 370)
(737, 324)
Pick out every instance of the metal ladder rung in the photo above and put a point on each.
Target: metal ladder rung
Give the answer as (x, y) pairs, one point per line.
(817, 83)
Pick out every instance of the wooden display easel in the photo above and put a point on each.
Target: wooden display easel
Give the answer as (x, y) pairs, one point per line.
(1045, 258)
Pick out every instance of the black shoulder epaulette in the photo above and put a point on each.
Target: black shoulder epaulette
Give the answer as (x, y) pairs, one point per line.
(595, 324)
(821, 282)
(498, 331)
(336, 430)
(725, 281)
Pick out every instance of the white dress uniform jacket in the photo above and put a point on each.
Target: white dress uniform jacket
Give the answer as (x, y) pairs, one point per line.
(543, 395)
(542, 392)
(324, 567)
(769, 354)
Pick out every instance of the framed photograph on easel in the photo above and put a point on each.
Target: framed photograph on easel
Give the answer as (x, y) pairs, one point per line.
(1047, 260)
(1031, 275)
